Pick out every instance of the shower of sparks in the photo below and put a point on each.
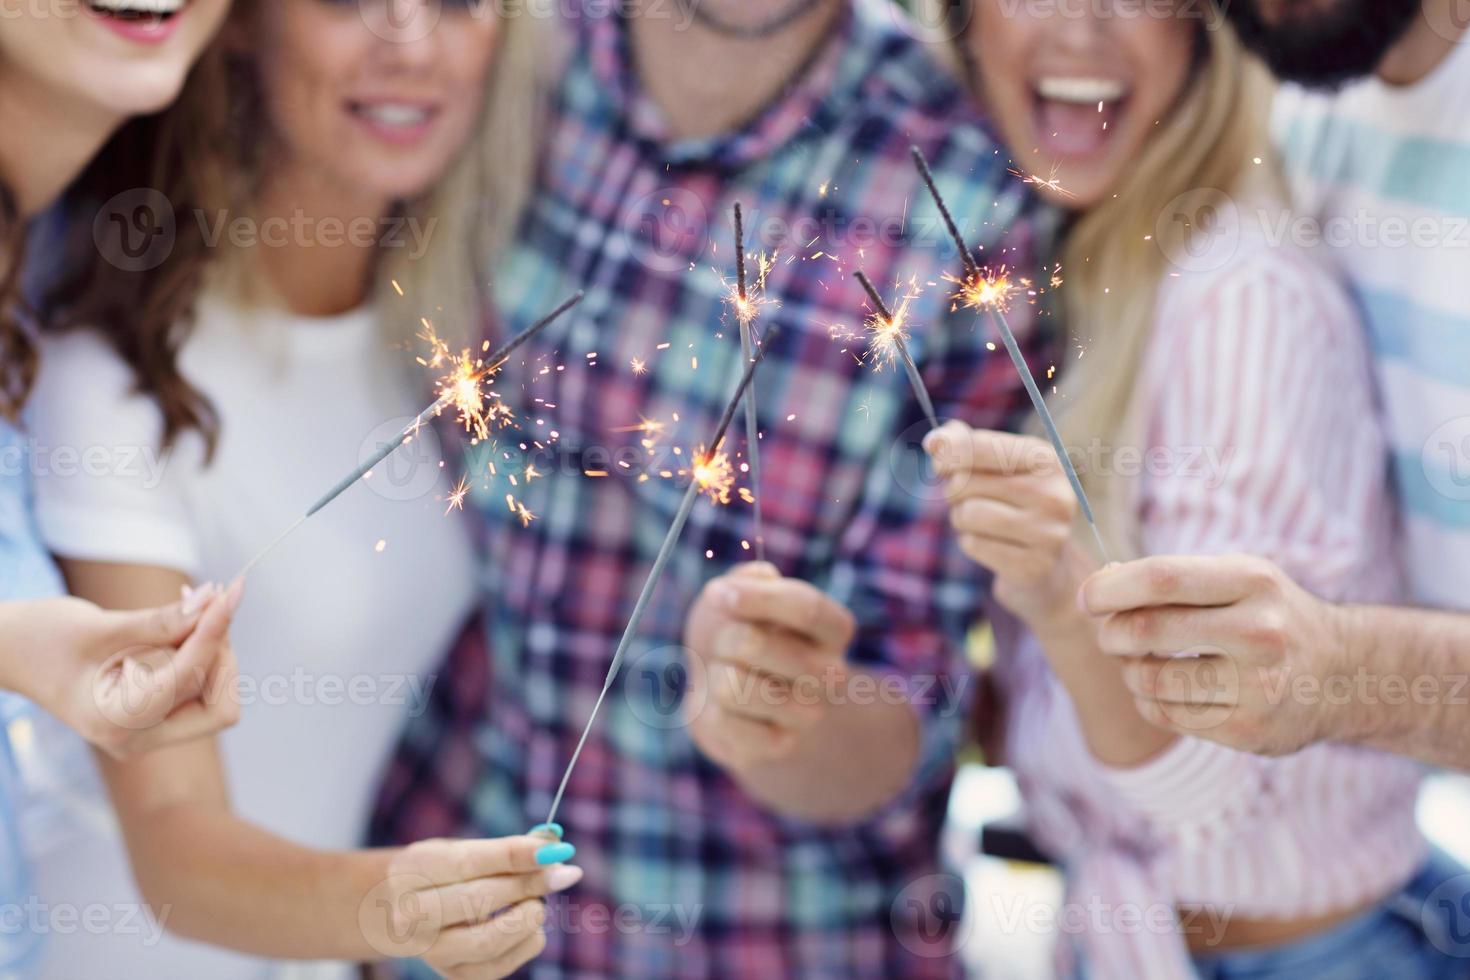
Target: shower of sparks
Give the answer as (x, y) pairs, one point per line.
(660, 562)
(989, 291)
(714, 475)
(888, 341)
(639, 366)
(455, 389)
(1052, 183)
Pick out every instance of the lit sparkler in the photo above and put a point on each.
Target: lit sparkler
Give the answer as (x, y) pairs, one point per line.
(889, 342)
(459, 389)
(697, 487)
(989, 291)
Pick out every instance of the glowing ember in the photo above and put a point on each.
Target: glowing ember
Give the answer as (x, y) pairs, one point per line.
(887, 336)
(990, 289)
(457, 495)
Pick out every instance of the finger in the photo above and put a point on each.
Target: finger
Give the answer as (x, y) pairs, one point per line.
(164, 626)
(773, 651)
(984, 517)
(738, 742)
(1178, 580)
(1181, 681)
(792, 604)
(484, 942)
(1000, 557)
(756, 570)
(988, 451)
(1180, 629)
(518, 956)
(482, 898)
(445, 862)
(217, 709)
(753, 696)
(201, 650)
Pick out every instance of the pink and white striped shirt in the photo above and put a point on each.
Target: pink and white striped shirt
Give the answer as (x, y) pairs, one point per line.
(1260, 361)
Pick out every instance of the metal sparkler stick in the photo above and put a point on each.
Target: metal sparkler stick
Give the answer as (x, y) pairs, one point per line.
(752, 424)
(660, 562)
(494, 362)
(915, 379)
(973, 274)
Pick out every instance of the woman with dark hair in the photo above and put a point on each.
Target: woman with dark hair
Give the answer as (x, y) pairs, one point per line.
(70, 82)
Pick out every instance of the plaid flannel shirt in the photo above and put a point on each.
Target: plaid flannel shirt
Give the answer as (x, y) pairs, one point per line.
(687, 876)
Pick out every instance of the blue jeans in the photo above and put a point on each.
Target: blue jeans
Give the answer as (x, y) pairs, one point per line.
(1420, 933)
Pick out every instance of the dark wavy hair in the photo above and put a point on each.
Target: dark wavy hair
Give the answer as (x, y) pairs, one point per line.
(142, 305)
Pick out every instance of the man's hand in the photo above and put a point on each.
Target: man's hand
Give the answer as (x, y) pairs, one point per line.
(765, 650)
(1244, 629)
(472, 909)
(128, 682)
(1013, 511)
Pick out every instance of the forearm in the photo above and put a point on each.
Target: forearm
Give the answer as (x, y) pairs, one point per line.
(211, 876)
(1116, 734)
(858, 758)
(1409, 674)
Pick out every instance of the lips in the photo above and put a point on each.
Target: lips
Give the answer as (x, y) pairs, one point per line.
(1075, 115)
(145, 21)
(395, 121)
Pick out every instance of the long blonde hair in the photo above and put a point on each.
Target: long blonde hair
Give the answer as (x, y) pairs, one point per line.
(468, 217)
(1112, 263)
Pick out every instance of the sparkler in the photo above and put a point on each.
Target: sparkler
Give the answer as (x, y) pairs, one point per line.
(745, 313)
(988, 291)
(461, 389)
(707, 473)
(889, 343)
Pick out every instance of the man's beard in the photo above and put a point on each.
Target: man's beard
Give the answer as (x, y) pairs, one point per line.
(1323, 48)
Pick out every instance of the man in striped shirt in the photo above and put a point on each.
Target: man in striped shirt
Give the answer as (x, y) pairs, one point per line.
(1378, 166)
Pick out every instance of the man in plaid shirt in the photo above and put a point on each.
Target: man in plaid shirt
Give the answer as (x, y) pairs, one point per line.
(730, 822)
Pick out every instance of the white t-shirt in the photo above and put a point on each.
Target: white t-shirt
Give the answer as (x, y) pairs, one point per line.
(340, 626)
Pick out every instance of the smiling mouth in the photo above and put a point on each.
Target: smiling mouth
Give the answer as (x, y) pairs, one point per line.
(150, 13)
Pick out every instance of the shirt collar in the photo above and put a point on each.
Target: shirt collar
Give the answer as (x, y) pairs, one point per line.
(821, 92)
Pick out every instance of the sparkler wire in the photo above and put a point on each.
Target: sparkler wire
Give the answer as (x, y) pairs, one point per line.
(494, 362)
(676, 529)
(972, 273)
(752, 423)
(921, 391)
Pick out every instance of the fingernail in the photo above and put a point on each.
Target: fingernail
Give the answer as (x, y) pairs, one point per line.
(547, 831)
(562, 877)
(932, 442)
(236, 593)
(195, 599)
(558, 853)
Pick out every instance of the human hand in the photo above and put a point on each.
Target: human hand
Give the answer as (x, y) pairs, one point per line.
(128, 682)
(471, 909)
(1013, 510)
(1251, 630)
(764, 651)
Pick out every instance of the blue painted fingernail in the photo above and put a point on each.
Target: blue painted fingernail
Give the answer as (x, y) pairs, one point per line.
(555, 853)
(546, 828)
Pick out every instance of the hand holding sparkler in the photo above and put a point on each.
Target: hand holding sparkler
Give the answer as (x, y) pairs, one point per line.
(1014, 510)
(754, 637)
(989, 292)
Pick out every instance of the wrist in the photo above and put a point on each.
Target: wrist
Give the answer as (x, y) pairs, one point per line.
(1355, 720)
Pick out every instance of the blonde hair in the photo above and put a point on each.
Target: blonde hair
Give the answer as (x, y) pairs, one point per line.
(1113, 265)
(468, 216)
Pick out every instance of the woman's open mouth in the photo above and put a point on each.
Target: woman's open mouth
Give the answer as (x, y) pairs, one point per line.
(1076, 115)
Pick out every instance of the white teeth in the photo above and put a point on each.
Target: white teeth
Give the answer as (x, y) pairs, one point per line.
(160, 7)
(1084, 91)
(389, 114)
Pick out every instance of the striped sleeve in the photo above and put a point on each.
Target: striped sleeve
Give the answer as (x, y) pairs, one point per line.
(1263, 400)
